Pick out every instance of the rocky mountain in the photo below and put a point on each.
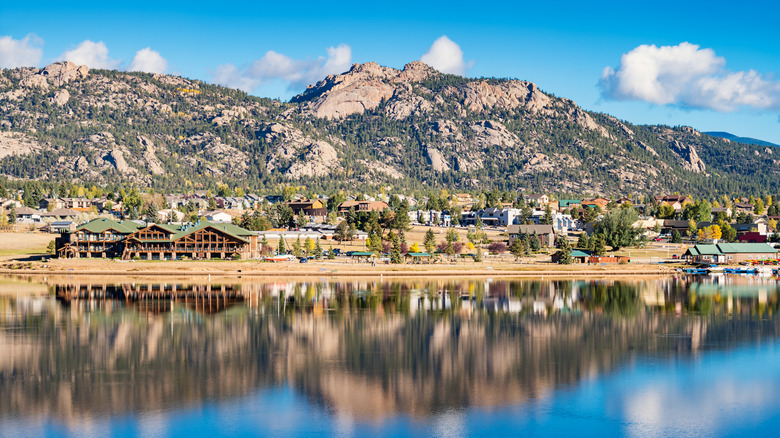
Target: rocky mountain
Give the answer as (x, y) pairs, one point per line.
(371, 126)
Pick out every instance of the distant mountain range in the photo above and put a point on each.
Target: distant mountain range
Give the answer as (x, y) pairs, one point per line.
(371, 128)
(746, 140)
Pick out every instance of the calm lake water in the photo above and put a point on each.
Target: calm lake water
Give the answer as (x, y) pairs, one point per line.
(687, 356)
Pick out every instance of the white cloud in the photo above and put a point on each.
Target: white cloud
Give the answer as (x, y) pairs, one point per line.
(20, 53)
(446, 56)
(231, 76)
(689, 76)
(91, 54)
(277, 66)
(149, 61)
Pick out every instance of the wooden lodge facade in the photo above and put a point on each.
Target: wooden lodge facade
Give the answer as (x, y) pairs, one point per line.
(104, 238)
(99, 238)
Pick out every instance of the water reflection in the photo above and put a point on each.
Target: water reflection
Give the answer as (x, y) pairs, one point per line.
(367, 350)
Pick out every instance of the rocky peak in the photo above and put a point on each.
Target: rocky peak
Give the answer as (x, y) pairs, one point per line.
(363, 88)
(482, 95)
(416, 71)
(689, 130)
(56, 74)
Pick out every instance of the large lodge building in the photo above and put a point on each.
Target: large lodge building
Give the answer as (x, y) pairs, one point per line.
(105, 238)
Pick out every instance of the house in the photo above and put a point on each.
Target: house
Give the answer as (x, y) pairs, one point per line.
(230, 203)
(676, 201)
(325, 231)
(170, 215)
(461, 198)
(716, 211)
(60, 227)
(578, 256)
(429, 217)
(537, 199)
(105, 205)
(601, 203)
(500, 216)
(345, 206)
(27, 214)
(568, 203)
(61, 214)
(545, 233)
(670, 225)
(760, 226)
(76, 203)
(309, 207)
(563, 223)
(729, 253)
(6, 203)
(217, 216)
(51, 203)
(743, 207)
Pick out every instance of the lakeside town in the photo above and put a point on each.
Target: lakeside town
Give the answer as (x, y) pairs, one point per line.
(398, 229)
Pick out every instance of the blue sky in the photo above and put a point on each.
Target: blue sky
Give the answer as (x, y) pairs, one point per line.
(710, 65)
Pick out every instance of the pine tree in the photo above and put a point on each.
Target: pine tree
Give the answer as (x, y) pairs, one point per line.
(317, 249)
(517, 248)
(374, 243)
(282, 249)
(297, 248)
(395, 253)
(430, 241)
(676, 238)
(564, 255)
(583, 242)
(547, 219)
(534, 243)
(599, 245)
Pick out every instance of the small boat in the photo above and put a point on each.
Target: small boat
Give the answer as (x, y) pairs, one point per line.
(281, 258)
(745, 271)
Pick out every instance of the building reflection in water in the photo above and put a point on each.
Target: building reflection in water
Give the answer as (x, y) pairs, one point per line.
(362, 349)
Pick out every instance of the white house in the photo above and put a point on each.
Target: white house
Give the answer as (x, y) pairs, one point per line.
(537, 200)
(217, 216)
(563, 223)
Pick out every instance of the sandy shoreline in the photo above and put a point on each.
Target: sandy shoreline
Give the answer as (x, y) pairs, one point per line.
(319, 269)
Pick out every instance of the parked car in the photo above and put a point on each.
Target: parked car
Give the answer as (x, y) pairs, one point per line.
(303, 260)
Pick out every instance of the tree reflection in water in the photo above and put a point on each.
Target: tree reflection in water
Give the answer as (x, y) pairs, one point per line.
(370, 349)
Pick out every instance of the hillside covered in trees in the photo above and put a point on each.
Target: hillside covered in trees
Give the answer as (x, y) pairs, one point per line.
(370, 127)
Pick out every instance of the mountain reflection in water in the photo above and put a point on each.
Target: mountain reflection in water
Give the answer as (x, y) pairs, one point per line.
(366, 349)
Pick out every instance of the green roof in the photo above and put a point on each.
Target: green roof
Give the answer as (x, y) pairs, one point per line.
(578, 253)
(746, 248)
(418, 254)
(707, 250)
(102, 224)
(362, 254)
(567, 202)
(732, 248)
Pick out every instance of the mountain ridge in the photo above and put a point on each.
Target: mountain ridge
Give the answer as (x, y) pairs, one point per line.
(370, 127)
(738, 139)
